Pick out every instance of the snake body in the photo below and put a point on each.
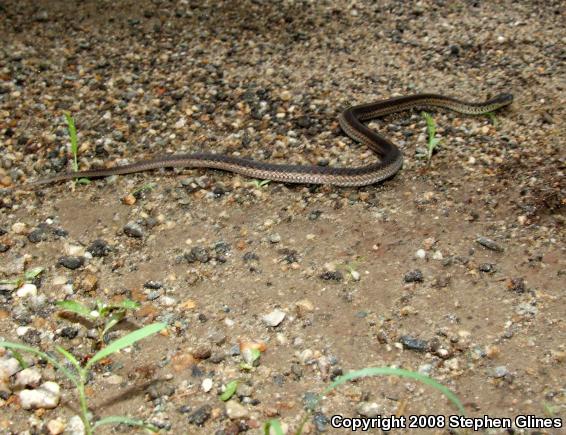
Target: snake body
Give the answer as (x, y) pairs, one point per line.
(351, 122)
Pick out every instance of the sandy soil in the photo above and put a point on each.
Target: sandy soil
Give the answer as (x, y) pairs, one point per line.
(386, 275)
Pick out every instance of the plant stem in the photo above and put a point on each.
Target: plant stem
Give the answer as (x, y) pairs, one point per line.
(82, 400)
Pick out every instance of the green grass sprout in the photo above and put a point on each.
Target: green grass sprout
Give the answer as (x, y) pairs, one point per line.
(254, 355)
(391, 371)
(79, 374)
(145, 188)
(433, 141)
(272, 424)
(231, 388)
(259, 183)
(27, 276)
(364, 373)
(352, 267)
(74, 145)
(493, 119)
(104, 316)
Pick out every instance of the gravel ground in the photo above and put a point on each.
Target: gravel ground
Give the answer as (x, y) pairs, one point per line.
(454, 269)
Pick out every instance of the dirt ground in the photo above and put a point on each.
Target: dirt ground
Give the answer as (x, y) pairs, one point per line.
(455, 269)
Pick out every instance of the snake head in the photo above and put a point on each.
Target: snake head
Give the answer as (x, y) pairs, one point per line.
(501, 100)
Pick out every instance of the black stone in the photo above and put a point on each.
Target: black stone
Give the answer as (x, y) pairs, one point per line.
(99, 248)
(414, 343)
(69, 332)
(414, 276)
(200, 416)
(37, 235)
(331, 276)
(71, 262)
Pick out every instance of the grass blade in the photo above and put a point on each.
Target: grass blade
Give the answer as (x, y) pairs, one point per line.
(75, 307)
(125, 341)
(69, 357)
(31, 274)
(390, 371)
(73, 136)
(45, 356)
(272, 424)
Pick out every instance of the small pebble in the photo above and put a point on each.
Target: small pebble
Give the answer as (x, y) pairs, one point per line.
(75, 426)
(27, 290)
(274, 238)
(56, 426)
(200, 416)
(414, 276)
(489, 244)
(71, 262)
(206, 385)
(8, 367)
(132, 229)
(29, 377)
(500, 372)
(369, 409)
(274, 318)
(19, 228)
(414, 343)
(235, 411)
(46, 396)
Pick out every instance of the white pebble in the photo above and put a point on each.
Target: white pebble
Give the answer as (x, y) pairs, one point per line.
(306, 356)
(421, 253)
(114, 379)
(55, 427)
(437, 255)
(21, 330)
(168, 301)
(228, 322)
(28, 378)
(355, 275)
(19, 228)
(26, 291)
(274, 238)
(274, 318)
(206, 385)
(234, 410)
(180, 123)
(368, 409)
(46, 396)
(75, 250)
(8, 367)
(75, 426)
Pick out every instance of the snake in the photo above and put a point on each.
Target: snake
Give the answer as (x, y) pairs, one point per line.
(351, 121)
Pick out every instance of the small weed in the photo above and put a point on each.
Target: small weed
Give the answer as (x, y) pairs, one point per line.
(493, 119)
(363, 373)
(433, 141)
(230, 390)
(259, 183)
(28, 276)
(104, 316)
(352, 268)
(80, 375)
(254, 355)
(74, 145)
(145, 188)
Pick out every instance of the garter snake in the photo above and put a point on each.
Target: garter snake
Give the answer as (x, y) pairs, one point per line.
(351, 121)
